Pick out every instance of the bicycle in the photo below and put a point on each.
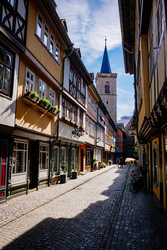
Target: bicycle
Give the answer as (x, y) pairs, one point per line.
(137, 181)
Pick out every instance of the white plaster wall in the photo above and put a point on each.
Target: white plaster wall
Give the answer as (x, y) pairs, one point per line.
(65, 131)
(8, 104)
(66, 73)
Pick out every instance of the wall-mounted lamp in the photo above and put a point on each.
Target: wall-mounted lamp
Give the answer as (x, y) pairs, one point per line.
(78, 132)
(98, 139)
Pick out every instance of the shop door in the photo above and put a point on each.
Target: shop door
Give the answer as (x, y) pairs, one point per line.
(3, 168)
(34, 164)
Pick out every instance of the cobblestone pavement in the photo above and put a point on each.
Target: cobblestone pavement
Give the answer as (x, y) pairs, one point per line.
(100, 214)
(16, 207)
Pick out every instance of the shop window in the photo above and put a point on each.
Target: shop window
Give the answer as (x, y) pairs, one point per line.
(6, 71)
(44, 157)
(155, 161)
(73, 155)
(11, 2)
(20, 157)
(63, 155)
(55, 159)
(29, 80)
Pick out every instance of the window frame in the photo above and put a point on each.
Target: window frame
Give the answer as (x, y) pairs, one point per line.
(42, 91)
(53, 159)
(40, 156)
(50, 98)
(10, 68)
(33, 83)
(25, 157)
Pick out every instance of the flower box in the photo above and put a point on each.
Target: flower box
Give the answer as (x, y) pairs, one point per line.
(29, 100)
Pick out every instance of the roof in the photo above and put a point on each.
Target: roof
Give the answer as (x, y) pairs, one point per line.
(105, 67)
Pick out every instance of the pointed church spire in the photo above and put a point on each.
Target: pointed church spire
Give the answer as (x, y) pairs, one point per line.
(105, 67)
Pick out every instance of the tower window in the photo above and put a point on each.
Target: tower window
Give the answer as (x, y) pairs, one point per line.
(107, 89)
(106, 102)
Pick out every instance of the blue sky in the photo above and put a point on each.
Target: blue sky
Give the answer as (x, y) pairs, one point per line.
(89, 22)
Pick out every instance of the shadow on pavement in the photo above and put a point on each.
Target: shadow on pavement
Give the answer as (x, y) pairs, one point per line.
(117, 222)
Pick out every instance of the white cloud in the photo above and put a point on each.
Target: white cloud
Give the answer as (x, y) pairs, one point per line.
(89, 22)
(124, 91)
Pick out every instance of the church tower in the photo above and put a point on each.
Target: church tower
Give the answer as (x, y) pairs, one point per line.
(106, 86)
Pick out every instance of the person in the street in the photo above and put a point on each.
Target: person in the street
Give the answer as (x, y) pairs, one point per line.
(121, 161)
(117, 161)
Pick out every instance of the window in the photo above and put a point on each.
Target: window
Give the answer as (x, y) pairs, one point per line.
(118, 149)
(6, 71)
(30, 80)
(39, 26)
(44, 157)
(81, 118)
(11, 2)
(42, 89)
(159, 20)
(70, 110)
(89, 98)
(52, 97)
(155, 161)
(57, 53)
(107, 89)
(19, 160)
(55, 159)
(151, 45)
(100, 133)
(92, 128)
(77, 86)
(46, 37)
(51, 44)
(75, 113)
(88, 158)
(118, 138)
(87, 124)
(73, 155)
(106, 102)
(63, 155)
(64, 104)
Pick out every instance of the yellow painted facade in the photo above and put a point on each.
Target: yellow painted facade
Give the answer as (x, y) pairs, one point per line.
(30, 117)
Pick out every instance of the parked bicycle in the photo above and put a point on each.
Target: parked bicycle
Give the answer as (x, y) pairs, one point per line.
(137, 181)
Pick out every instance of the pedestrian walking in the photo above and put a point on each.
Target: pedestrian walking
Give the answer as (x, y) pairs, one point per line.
(117, 161)
(122, 161)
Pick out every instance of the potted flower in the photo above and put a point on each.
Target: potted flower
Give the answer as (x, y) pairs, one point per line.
(81, 127)
(75, 170)
(109, 161)
(95, 163)
(63, 175)
(103, 165)
(28, 92)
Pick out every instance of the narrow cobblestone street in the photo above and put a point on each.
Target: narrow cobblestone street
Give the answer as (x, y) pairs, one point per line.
(99, 214)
